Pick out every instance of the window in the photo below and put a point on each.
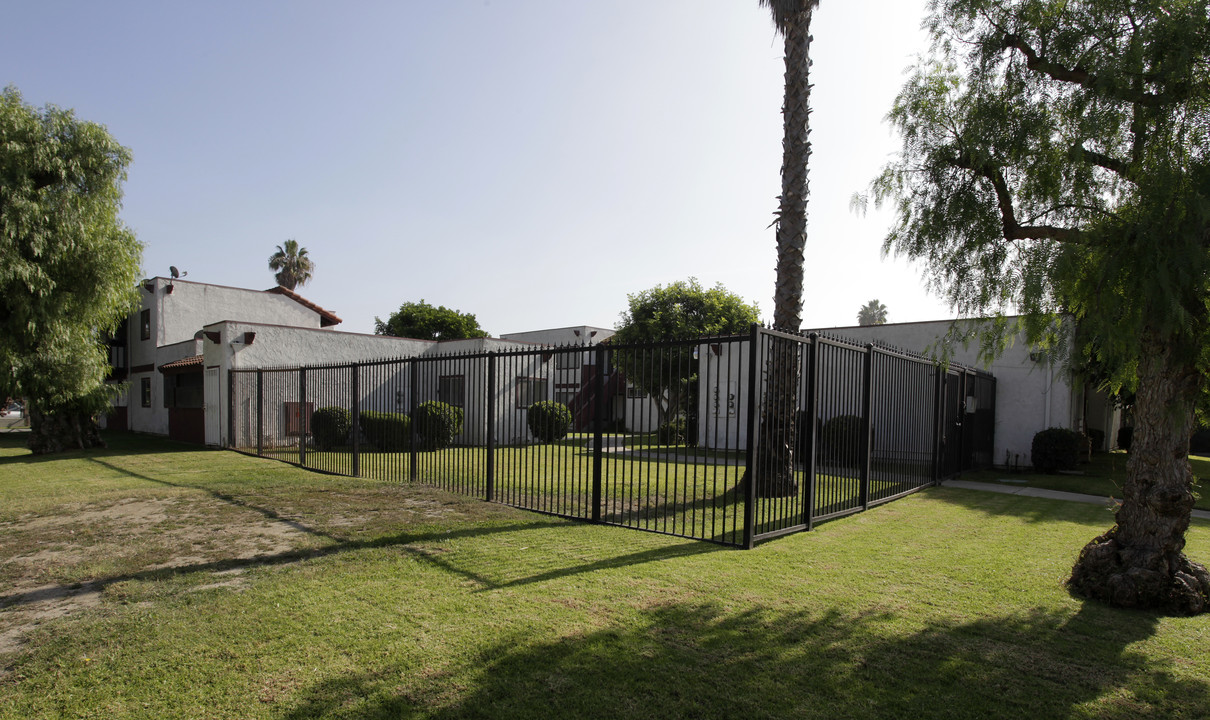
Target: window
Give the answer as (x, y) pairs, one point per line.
(451, 389)
(145, 325)
(567, 393)
(145, 391)
(530, 390)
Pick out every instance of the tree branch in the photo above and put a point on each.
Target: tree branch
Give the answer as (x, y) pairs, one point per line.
(1013, 230)
(1080, 76)
(1121, 167)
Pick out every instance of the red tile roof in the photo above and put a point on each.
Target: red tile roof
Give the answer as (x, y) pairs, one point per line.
(184, 364)
(326, 317)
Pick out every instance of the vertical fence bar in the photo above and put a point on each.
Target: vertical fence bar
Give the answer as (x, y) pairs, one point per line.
(750, 454)
(302, 419)
(938, 420)
(598, 430)
(260, 413)
(808, 445)
(413, 381)
(490, 492)
(355, 391)
(867, 424)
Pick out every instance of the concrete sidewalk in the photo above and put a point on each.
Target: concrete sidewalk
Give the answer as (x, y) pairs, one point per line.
(1041, 493)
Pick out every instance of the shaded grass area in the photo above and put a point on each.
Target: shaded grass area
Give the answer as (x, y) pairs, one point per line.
(1104, 476)
(946, 604)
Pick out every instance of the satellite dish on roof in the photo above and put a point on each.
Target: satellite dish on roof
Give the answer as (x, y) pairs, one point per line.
(176, 273)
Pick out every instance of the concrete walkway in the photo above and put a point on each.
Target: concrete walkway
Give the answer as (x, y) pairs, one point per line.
(1041, 493)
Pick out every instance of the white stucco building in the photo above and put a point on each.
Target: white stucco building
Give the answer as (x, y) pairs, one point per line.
(178, 349)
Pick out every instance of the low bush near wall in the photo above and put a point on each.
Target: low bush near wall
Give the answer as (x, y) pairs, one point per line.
(330, 427)
(389, 432)
(437, 424)
(840, 441)
(1055, 449)
(548, 420)
(1125, 435)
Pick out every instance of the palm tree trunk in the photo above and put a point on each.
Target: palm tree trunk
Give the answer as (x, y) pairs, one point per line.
(775, 456)
(1139, 563)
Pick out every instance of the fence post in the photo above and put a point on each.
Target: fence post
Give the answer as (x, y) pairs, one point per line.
(302, 419)
(413, 381)
(598, 433)
(491, 427)
(750, 453)
(867, 425)
(962, 449)
(809, 428)
(260, 414)
(938, 421)
(355, 369)
(230, 411)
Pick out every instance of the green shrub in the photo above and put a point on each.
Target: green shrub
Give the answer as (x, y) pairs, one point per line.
(330, 427)
(1125, 435)
(840, 441)
(1055, 449)
(389, 432)
(671, 432)
(549, 420)
(437, 424)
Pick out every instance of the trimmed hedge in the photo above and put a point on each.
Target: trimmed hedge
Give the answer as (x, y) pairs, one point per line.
(389, 432)
(437, 424)
(548, 420)
(330, 427)
(1055, 449)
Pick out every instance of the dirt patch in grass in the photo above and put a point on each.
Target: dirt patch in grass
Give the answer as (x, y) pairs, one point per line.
(61, 562)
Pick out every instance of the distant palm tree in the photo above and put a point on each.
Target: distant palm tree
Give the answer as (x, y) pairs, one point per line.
(291, 264)
(872, 313)
(774, 469)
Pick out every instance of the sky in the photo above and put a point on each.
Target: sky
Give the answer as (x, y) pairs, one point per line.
(532, 162)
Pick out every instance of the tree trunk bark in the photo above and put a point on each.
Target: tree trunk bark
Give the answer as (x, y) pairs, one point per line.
(54, 432)
(1139, 562)
(775, 458)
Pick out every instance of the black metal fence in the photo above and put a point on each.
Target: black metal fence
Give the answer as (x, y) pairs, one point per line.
(657, 436)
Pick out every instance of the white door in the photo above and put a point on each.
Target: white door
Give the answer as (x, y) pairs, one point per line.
(214, 406)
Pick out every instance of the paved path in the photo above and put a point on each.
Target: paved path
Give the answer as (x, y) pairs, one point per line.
(1041, 493)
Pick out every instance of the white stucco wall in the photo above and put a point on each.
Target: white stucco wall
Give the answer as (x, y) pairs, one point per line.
(179, 314)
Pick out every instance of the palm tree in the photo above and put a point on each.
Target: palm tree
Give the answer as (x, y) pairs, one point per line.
(291, 265)
(872, 313)
(775, 462)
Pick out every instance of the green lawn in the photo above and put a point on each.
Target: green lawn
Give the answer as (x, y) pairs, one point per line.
(671, 489)
(154, 580)
(1104, 476)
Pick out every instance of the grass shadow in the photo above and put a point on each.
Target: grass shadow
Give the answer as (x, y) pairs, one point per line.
(700, 661)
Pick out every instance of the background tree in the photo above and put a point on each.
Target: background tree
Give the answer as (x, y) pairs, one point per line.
(872, 313)
(425, 322)
(679, 311)
(776, 438)
(291, 265)
(1065, 169)
(69, 268)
